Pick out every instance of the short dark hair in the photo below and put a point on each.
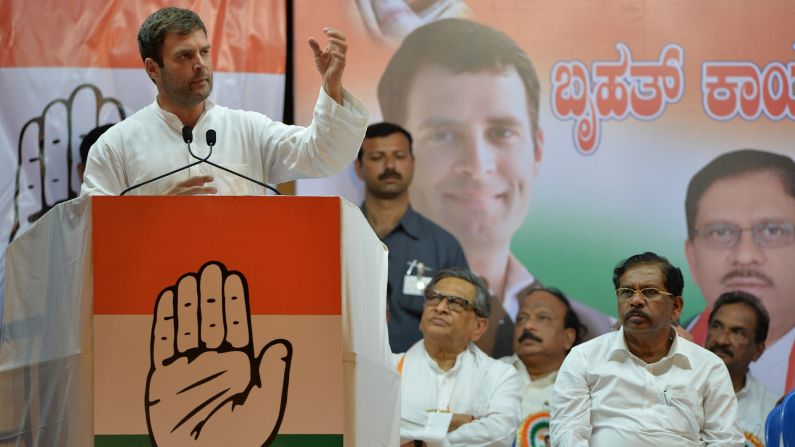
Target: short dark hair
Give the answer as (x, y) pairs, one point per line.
(461, 46)
(737, 296)
(482, 295)
(384, 129)
(153, 31)
(672, 276)
(89, 140)
(733, 164)
(570, 320)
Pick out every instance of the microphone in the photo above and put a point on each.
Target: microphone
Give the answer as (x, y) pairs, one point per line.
(210, 138)
(187, 137)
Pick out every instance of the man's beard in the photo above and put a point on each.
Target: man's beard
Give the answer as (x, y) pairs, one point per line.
(184, 96)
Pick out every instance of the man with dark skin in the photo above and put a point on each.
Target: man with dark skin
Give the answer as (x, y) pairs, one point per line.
(545, 331)
(644, 385)
(738, 326)
(416, 245)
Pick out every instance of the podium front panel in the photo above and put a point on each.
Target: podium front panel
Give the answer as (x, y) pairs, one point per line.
(217, 321)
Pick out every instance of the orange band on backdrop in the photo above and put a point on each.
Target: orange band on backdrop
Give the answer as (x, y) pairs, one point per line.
(180, 237)
(246, 36)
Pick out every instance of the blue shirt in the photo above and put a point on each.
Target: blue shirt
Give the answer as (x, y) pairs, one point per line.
(415, 238)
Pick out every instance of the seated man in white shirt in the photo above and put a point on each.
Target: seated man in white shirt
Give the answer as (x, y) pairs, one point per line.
(643, 385)
(737, 331)
(452, 394)
(545, 331)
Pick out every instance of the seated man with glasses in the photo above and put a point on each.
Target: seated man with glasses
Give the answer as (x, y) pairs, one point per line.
(737, 331)
(453, 394)
(740, 211)
(642, 385)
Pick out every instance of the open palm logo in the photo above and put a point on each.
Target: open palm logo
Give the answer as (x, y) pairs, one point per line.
(47, 153)
(205, 385)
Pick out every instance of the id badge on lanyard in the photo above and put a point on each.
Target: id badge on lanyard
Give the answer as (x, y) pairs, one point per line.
(415, 281)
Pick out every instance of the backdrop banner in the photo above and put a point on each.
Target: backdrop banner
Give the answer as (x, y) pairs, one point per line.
(556, 138)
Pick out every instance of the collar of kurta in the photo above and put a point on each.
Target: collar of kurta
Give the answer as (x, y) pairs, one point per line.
(620, 351)
(172, 120)
(469, 351)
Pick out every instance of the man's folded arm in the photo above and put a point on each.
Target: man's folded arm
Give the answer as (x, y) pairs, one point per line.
(570, 422)
(721, 424)
(497, 427)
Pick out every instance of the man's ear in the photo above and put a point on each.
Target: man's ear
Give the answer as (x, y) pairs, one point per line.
(569, 335)
(690, 254)
(480, 329)
(538, 150)
(152, 69)
(357, 166)
(760, 349)
(679, 305)
(538, 153)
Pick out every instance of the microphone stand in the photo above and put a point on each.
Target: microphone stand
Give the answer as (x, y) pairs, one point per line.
(211, 142)
(200, 160)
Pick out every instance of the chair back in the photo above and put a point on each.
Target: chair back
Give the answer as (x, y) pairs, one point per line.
(773, 426)
(788, 420)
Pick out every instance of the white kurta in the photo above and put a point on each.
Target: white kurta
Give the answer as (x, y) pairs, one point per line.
(755, 402)
(536, 394)
(536, 404)
(477, 385)
(606, 396)
(149, 143)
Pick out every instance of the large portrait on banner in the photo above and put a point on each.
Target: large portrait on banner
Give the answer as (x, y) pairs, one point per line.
(554, 139)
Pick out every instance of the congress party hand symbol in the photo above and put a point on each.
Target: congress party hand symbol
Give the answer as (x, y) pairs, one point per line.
(205, 385)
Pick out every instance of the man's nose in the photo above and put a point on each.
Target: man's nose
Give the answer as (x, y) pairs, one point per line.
(442, 306)
(478, 157)
(637, 300)
(720, 337)
(529, 324)
(747, 251)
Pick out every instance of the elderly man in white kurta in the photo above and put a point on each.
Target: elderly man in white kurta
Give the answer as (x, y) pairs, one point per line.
(452, 394)
(643, 385)
(176, 53)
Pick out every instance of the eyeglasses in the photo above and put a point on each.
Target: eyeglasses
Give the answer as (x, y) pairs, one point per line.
(766, 234)
(454, 303)
(650, 293)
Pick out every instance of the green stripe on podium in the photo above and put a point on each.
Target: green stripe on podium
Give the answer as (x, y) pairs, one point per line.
(280, 441)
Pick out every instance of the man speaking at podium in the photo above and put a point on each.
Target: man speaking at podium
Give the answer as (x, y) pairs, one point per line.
(175, 50)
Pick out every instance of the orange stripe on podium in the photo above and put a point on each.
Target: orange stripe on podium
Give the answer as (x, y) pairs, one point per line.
(287, 248)
(246, 36)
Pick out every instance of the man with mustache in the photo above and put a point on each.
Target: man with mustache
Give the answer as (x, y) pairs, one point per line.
(418, 248)
(470, 96)
(740, 211)
(738, 326)
(451, 393)
(643, 385)
(175, 50)
(545, 331)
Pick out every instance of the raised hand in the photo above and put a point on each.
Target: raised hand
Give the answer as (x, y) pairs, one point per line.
(205, 386)
(330, 62)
